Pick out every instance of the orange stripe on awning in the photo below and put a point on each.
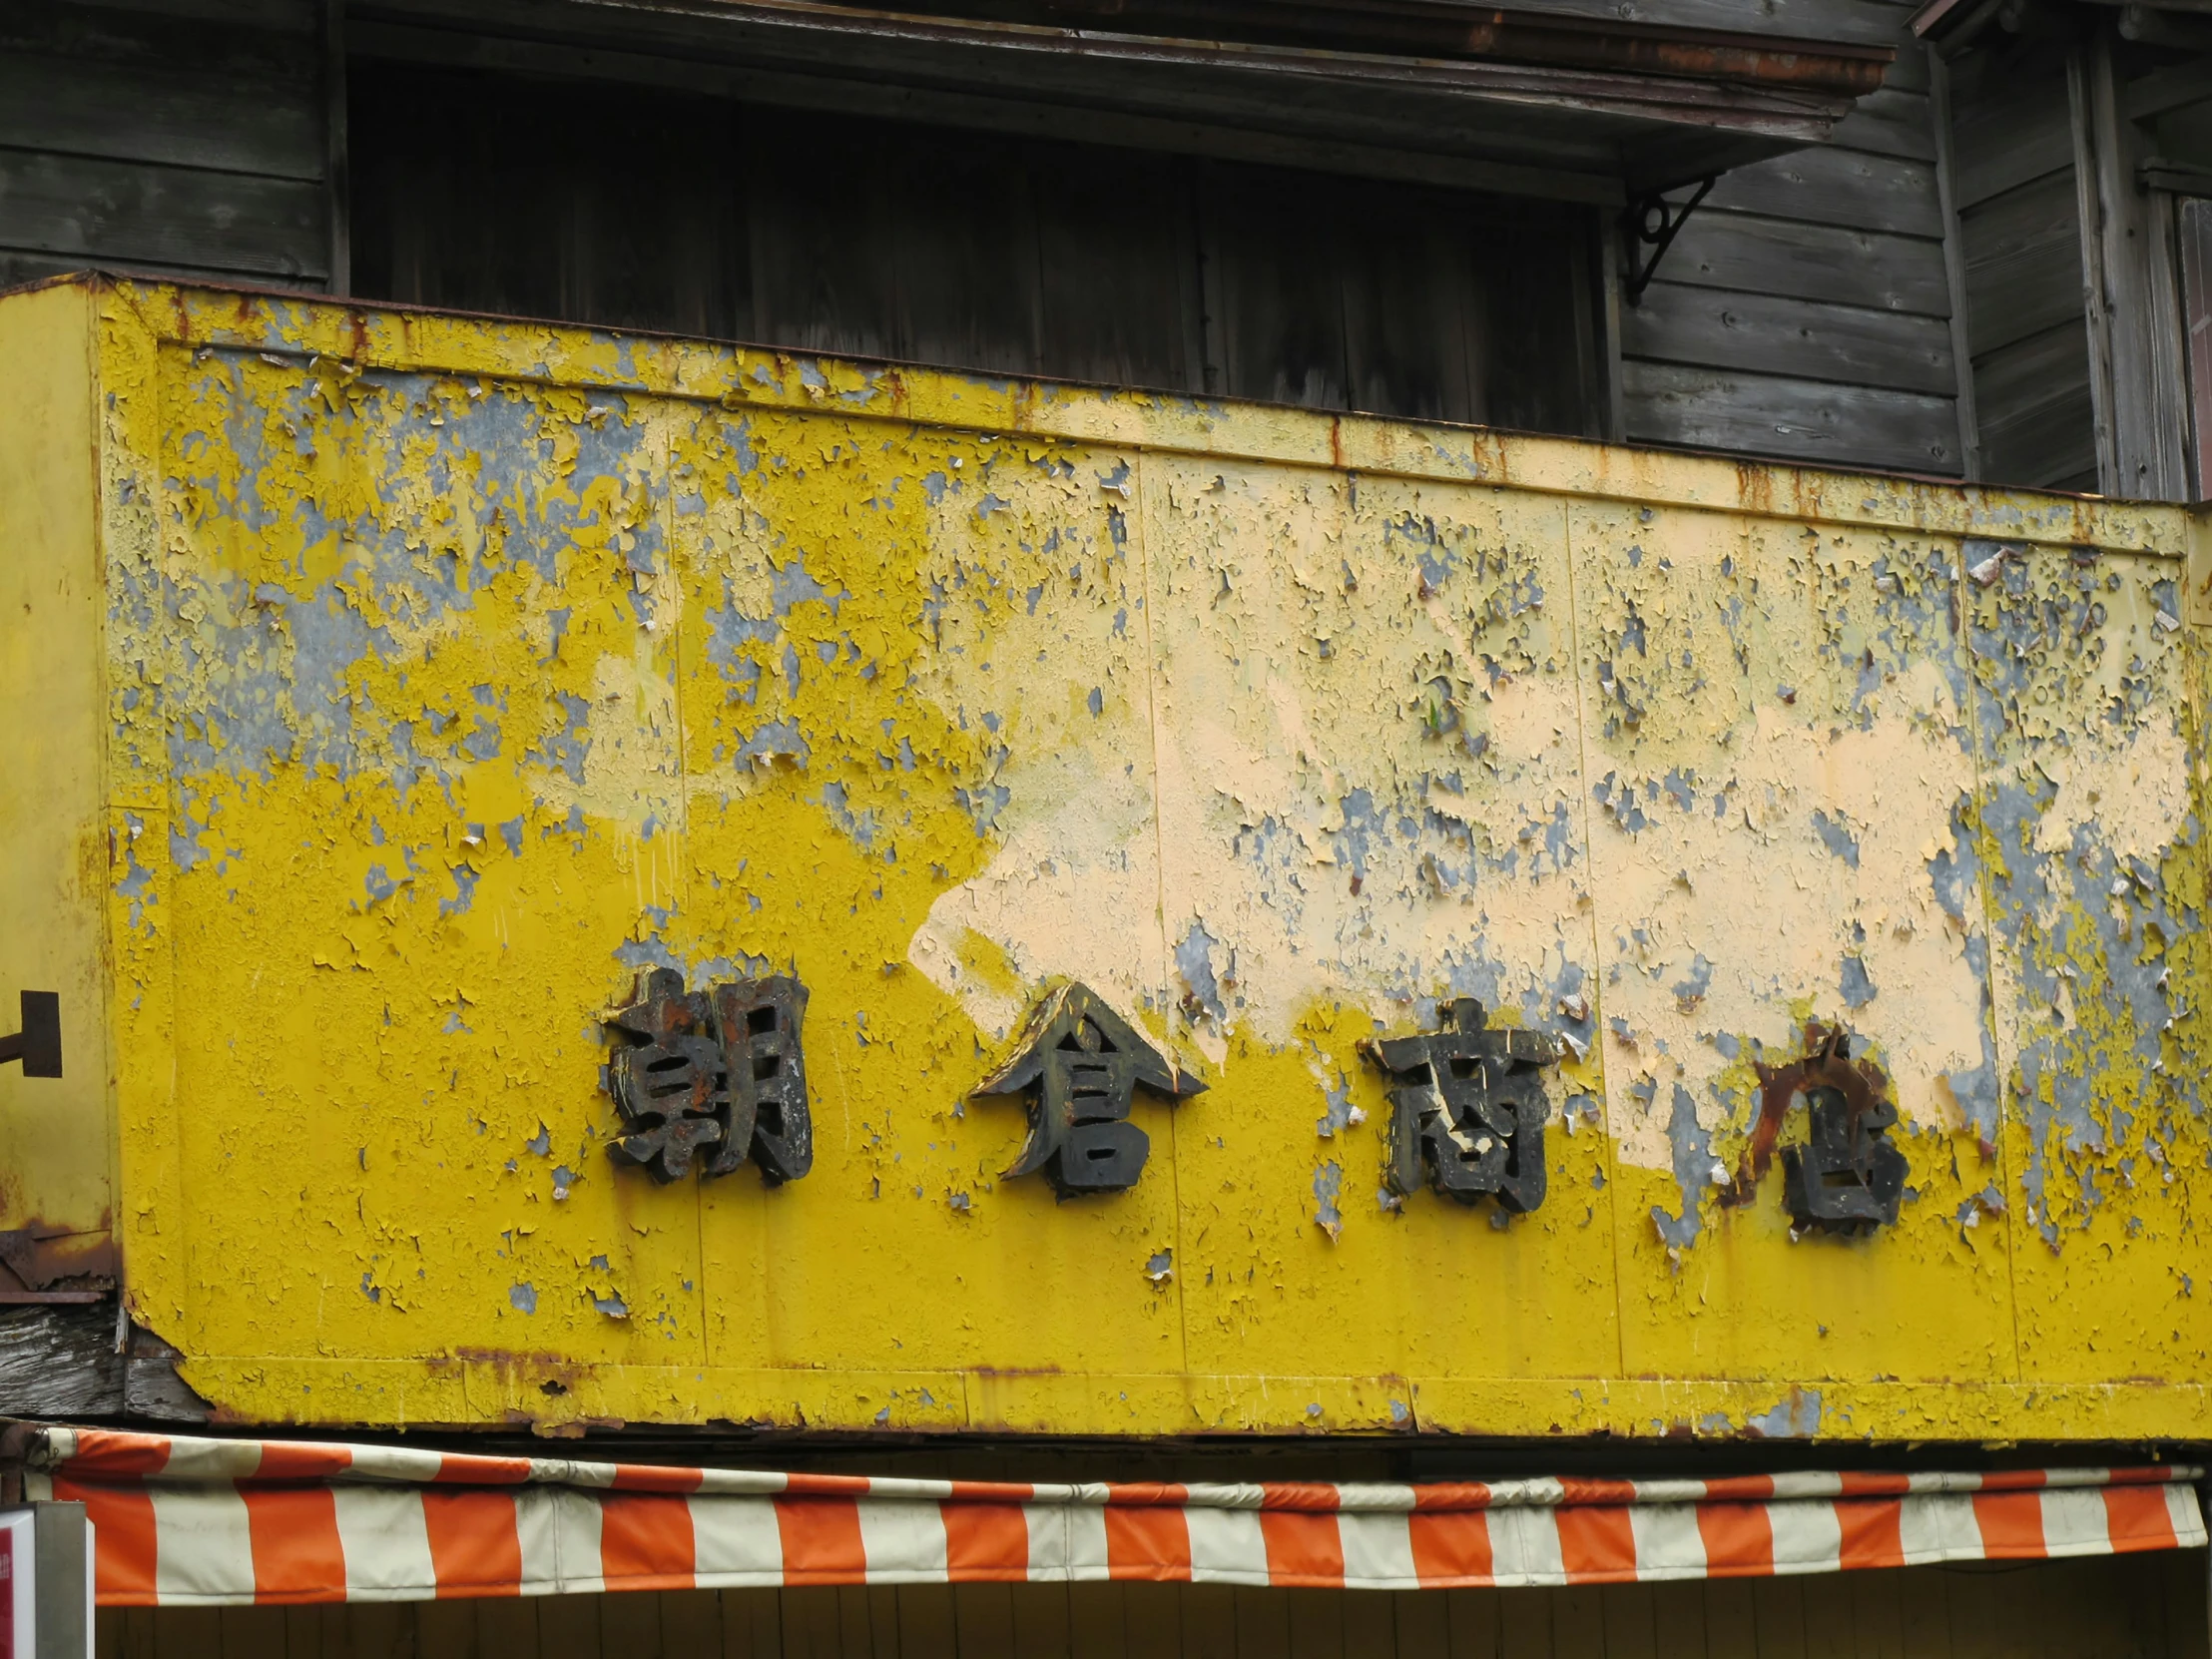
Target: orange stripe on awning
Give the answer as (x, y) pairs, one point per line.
(124, 1541)
(822, 1541)
(2137, 1518)
(1452, 1548)
(1303, 1548)
(296, 1550)
(646, 1541)
(1872, 1532)
(629, 1526)
(1739, 1539)
(2010, 1524)
(1151, 1542)
(985, 1544)
(1597, 1547)
(474, 1546)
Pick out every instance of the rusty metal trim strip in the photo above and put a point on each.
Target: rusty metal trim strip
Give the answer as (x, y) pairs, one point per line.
(554, 354)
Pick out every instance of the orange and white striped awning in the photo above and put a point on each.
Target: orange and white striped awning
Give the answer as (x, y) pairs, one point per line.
(190, 1521)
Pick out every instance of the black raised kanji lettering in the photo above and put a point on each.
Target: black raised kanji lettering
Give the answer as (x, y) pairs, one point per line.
(1084, 1062)
(714, 1076)
(1467, 1110)
(1847, 1176)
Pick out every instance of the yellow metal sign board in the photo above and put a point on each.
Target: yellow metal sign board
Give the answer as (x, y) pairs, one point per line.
(394, 694)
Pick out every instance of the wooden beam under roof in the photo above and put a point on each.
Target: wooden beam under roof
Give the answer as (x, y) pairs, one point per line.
(1573, 131)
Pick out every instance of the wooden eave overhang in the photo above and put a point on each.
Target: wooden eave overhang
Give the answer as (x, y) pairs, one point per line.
(1532, 104)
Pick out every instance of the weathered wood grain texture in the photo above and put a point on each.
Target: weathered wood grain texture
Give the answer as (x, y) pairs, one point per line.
(1865, 190)
(176, 137)
(2020, 234)
(63, 1361)
(1827, 423)
(1715, 329)
(2038, 422)
(1805, 260)
(2023, 262)
(2125, 1608)
(1861, 22)
(2009, 133)
(892, 239)
(93, 81)
(1891, 122)
(158, 216)
(60, 1361)
(1818, 275)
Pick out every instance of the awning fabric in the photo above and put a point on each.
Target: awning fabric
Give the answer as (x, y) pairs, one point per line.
(186, 1521)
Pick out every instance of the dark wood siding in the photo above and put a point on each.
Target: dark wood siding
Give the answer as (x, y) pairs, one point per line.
(2019, 229)
(2104, 1607)
(1803, 311)
(166, 136)
(879, 239)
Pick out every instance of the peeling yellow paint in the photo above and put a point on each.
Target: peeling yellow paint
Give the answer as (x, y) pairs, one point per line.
(456, 670)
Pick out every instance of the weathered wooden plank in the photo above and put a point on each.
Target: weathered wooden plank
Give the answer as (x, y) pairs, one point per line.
(966, 238)
(1631, 1622)
(2038, 425)
(1408, 272)
(236, 40)
(2010, 133)
(1838, 186)
(1891, 122)
(132, 112)
(821, 281)
(1278, 298)
(301, 17)
(1910, 73)
(1547, 175)
(1788, 257)
(1121, 310)
(1801, 421)
(2023, 263)
(19, 266)
(1316, 1623)
(1714, 329)
(509, 1628)
(60, 1361)
(93, 209)
(1860, 22)
(628, 220)
(1537, 354)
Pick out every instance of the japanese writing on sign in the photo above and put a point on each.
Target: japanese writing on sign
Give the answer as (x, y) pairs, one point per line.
(1468, 1108)
(714, 1077)
(1084, 1062)
(1847, 1176)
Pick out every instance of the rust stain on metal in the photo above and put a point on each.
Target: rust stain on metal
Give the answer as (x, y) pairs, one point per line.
(1823, 1065)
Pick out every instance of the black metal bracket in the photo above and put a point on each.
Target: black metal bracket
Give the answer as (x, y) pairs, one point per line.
(39, 1044)
(1651, 220)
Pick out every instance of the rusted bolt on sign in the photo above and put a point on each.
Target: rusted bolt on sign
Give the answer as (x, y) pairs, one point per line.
(1467, 1110)
(714, 1076)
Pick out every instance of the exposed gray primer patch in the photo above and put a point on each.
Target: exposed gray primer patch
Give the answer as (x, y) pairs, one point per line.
(1858, 988)
(1796, 1417)
(1692, 1164)
(1329, 1182)
(1836, 836)
(1194, 960)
